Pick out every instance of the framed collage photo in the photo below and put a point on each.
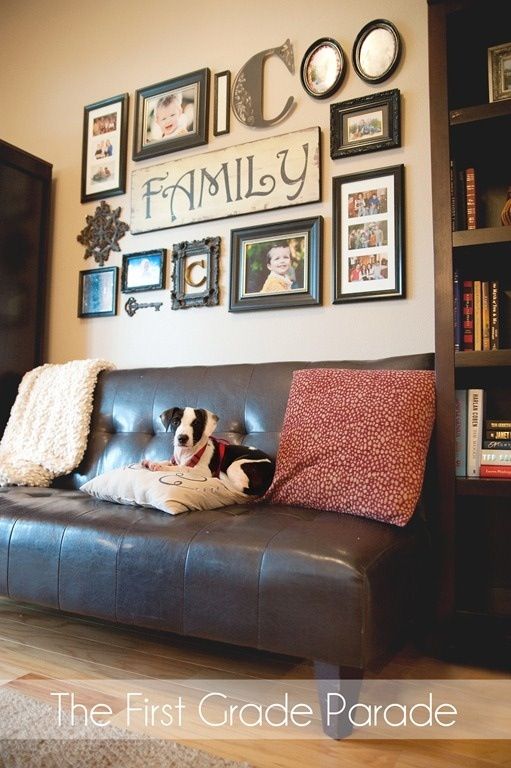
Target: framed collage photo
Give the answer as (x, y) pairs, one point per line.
(368, 242)
(105, 131)
(367, 124)
(171, 115)
(276, 265)
(143, 271)
(97, 292)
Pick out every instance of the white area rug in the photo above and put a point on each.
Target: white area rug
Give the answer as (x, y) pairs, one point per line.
(26, 728)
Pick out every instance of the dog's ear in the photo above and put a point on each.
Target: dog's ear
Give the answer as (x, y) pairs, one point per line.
(167, 416)
(211, 423)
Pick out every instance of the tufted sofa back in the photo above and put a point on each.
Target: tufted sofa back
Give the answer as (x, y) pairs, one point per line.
(249, 399)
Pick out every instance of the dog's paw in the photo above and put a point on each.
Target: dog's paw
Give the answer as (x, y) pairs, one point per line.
(154, 466)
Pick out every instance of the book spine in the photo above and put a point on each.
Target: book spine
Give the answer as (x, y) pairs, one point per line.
(485, 312)
(468, 314)
(460, 412)
(488, 470)
(462, 200)
(501, 445)
(458, 320)
(478, 317)
(475, 416)
(454, 201)
(491, 456)
(494, 315)
(470, 177)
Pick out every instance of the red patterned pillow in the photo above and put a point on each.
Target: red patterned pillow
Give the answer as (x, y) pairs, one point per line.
(356, 441)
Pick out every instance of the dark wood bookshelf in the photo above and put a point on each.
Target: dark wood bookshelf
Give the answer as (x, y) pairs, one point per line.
(463, 238)
(483, 486)
(473, 359)
(480, 112)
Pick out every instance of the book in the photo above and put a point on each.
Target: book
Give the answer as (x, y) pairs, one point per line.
(485, 315)
(470, 184)
(454, 202)
(468, 314)
(478, 316)
(475, 420)
(489, 470)
(502, 445)
(458, 320)
(495, 456)
(461, 199)
(498, 434)
(460, 415)
(494, 314)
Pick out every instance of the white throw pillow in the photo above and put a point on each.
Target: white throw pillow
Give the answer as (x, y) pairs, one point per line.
(174, 490)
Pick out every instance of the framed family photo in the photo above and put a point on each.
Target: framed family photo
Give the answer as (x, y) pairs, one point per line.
(171, 115)
(276, 265)
(143, 271)
(105, 130)
(368, 124)
(368, 243)
(97, 292)
(499, 72)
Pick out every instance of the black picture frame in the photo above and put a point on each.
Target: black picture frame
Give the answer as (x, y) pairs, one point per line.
(367, 124)
(143, 271)
(376, 51)
(368, 235)
(104, 148)
(325, 57)
(183, 102)
(200, 289)
(222, 103)
(250, 258)
(97, 292)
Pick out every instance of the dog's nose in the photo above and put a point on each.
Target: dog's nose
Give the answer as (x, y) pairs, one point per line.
(182, 439)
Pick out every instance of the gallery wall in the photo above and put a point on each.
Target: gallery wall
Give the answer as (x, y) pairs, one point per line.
(58, 57)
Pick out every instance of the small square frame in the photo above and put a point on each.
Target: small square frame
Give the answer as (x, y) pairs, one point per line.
(499, 72)
(368, 235)
(97, 292)
(255, 287)
(189, 95)
(367, 124)
(190, 289)
(143, 271)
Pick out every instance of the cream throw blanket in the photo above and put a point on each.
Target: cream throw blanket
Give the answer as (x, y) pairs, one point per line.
(47, 432)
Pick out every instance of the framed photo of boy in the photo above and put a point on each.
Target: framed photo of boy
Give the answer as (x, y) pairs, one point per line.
(143, 271)
(171, 115)
(368, 246)
(276, 265)
(105, 131)
(367, 124)
(97, 292)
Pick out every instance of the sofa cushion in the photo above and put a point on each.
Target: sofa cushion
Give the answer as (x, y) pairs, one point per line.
(174, 490)
(356, 441)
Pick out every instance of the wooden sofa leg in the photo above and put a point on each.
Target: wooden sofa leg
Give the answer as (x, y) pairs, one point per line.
(338, 689)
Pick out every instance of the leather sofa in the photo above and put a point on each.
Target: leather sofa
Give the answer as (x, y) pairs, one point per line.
(337, 589)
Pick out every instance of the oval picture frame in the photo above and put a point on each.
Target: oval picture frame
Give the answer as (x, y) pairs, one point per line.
(377, 51)
(323, 68)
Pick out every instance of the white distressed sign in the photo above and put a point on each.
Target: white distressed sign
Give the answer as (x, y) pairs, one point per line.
(276, 172)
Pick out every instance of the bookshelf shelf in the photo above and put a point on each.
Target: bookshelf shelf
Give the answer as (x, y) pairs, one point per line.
(479, 112)
(483, 486)
(471, 359)
(483, 236)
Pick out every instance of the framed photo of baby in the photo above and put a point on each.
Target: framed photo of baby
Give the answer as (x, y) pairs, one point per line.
(171, 115)
(368, 235)
(276, 265)
(105, 130)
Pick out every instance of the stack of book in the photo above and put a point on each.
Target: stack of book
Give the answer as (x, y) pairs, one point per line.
(483, 446)
(476, 314)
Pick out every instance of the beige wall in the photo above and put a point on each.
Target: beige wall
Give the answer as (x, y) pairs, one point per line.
(59, 55)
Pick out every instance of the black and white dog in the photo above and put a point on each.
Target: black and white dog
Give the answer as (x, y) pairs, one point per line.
(249, 470)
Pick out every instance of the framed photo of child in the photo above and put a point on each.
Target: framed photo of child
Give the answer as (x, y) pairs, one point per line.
(171, 115)
(105, 131)
(276, 265)
(368, 235)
